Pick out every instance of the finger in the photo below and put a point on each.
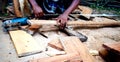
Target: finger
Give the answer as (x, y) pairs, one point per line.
(63, 25)
(58, 22)
(37, 15)
(41, 14)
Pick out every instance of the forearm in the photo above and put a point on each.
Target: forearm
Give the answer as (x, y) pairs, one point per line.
(72, 7)
(33, 3)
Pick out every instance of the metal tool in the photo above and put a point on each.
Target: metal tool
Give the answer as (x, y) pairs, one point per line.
(70, 32)
(14, 24)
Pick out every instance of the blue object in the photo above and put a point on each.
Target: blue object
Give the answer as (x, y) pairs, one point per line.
(14, 23)
(22, 21)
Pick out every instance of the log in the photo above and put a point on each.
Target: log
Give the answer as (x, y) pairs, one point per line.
(16, 8)
(24, 43)
(85, 24)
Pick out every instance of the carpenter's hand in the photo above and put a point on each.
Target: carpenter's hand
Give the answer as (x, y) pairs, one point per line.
(38, 12)
(62, 20)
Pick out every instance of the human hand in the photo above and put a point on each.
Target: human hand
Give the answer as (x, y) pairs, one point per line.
(62, 20)
(38, 12)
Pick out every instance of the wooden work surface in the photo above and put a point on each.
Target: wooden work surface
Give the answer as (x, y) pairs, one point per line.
(24, 43)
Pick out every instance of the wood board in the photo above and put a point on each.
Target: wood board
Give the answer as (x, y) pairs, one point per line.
(78, 47)
(55, 43)
(24, 43)
(85, 10)
(114, 47)
(75, 51)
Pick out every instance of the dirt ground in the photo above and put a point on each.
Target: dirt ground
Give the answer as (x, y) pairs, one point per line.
(96, 37)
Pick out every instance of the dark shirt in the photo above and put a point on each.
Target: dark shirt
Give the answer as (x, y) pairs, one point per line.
(54, 6)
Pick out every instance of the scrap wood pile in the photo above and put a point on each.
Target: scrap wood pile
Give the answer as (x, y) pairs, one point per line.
(74, 49)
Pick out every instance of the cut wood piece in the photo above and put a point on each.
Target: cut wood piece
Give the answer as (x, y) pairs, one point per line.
(68, 45)
(78, 46)
(71, 53)
(114, 47)
(24, 43)
(34, 27)
(55, 43)
(55, 53)
(103, 53)
(76, 51)
(85, 10)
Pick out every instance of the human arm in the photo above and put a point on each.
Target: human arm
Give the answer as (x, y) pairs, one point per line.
(63, 18)
(37, 10)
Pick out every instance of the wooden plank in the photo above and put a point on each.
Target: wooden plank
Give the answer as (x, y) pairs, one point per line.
(55, 43)
(16, 8)
(115, 47)
(85, 10)
(69, 48)
(82, 50)
(60, 58)
(74, 49)
(24, 43)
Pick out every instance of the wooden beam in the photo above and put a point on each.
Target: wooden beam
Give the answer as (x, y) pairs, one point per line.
(16, 8)
(90, 24)
(24, 43)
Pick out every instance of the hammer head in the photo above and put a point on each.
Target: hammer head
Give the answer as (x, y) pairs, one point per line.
(14, 24)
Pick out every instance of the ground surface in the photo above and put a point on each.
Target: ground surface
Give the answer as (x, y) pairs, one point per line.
(96, 37)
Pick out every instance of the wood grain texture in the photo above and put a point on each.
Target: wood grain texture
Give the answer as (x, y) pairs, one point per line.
(78, 47)
(75, 52)
(24, 43)
(16, 8)
(115, 47)
(60, 58)
(55, 43)
(85, 24)
(85, 10)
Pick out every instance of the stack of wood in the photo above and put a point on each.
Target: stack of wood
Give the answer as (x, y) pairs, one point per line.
(75, 50)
